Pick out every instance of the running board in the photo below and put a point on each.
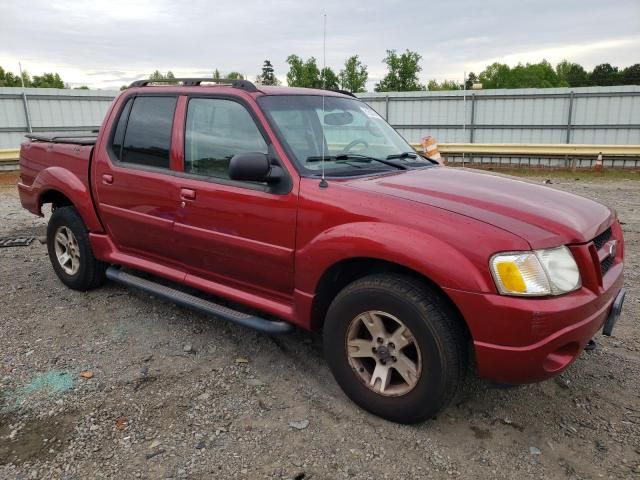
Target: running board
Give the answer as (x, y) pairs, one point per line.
(200, 304)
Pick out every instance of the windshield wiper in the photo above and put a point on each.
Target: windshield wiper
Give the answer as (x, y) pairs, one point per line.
(354, 157)
(402, 155)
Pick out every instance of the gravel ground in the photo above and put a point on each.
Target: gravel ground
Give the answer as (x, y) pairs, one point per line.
(174, 394)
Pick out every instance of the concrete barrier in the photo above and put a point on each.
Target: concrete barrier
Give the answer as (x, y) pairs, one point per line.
(9, 160)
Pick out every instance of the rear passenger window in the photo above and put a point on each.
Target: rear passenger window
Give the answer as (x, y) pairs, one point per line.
(148, 132)
(118, 136)
(216, 130)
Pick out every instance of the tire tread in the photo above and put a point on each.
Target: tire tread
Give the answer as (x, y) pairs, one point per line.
(93, 274)
(451, 333)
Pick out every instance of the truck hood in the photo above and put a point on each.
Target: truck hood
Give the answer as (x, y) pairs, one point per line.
(541, 215)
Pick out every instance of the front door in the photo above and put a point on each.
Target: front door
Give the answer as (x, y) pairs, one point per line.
(236, 233)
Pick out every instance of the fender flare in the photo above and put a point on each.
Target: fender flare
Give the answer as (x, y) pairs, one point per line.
(67, 183)
(428, 255)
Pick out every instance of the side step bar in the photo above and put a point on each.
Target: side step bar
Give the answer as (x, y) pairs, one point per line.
(200, 304)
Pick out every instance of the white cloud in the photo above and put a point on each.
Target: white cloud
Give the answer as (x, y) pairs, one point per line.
(106, 43)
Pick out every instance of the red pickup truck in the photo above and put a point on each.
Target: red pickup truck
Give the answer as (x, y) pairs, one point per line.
(307, 206)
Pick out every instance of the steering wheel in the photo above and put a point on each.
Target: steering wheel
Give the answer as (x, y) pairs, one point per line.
(357, 141)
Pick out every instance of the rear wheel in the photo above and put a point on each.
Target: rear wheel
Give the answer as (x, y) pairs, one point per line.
(70, 251)
(395, 347)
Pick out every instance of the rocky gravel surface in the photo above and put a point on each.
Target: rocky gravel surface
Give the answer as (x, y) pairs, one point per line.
(115, 384)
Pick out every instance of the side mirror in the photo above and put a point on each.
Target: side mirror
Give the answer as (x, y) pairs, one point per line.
(249, 167)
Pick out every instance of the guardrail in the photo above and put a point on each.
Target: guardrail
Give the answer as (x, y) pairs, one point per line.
(540, 155)
(625, 155)
(539, 149)
(9, 159)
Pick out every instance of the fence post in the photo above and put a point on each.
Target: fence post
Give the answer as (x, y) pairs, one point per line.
(473, 115)
(26, 111)
(386, 107)
(569, 120)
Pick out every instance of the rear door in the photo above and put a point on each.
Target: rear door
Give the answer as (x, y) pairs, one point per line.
(241, 234)
(137, 196)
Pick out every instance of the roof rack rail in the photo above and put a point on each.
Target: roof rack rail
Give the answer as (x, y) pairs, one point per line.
(193, 82)
(344, 92)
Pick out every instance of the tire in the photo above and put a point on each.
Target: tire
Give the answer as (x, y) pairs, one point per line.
(82, 272)
(438, 347)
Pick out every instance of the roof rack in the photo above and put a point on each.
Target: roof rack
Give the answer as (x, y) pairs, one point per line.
(194, 82)
(344, 92)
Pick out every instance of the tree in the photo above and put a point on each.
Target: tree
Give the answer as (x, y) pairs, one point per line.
(235, 76)
(123, 88)
(496, 75)
(562, 71)
(216, 75)
(472, 79)
(604, 75)
(47, 80)
(577, 76)
(159, 77)
(433, 85)
(328, 79)
(631, 75)
(303, 73)
(533, 75)
(8, 79)
(354, 75)
(402, 75)
(81, 87)
(267, 77)
(296, 73)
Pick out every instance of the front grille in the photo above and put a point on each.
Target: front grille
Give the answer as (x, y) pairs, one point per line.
(603, 238)
(599, 242)
(606, 265)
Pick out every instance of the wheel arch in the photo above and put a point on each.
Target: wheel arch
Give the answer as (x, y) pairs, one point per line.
(61, 187)
(55, 197)
(345, 271)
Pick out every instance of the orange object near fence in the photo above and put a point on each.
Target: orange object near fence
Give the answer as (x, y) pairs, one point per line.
(598, 164)
(430, 148)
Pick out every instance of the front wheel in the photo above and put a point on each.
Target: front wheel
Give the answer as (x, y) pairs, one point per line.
(70, 251)
(395, 347)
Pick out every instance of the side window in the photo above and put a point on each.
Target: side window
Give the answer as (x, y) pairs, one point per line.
(148, 135)
(118, 136)
(216, 130)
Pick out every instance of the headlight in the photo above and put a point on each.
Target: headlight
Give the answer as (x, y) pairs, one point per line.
(535, 273)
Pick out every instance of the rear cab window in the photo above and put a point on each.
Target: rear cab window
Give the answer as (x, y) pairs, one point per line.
(143, 132)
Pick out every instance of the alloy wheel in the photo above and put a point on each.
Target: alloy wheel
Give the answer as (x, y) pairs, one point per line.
(67, 250)
(383, 353)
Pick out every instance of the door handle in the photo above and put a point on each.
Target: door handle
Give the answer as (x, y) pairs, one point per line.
(107, 179)
(187, 194)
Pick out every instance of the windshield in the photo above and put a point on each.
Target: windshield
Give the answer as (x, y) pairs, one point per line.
(354, 137)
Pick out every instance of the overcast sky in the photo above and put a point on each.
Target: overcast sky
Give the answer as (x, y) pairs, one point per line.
(108, 43)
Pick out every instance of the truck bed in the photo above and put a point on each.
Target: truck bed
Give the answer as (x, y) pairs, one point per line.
(38, 154)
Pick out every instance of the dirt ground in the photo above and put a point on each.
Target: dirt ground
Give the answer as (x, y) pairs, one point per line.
(175, 394)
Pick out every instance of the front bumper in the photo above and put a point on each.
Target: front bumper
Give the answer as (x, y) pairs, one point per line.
(519, 340)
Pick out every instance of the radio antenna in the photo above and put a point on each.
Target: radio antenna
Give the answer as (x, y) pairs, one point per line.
(323, 74)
